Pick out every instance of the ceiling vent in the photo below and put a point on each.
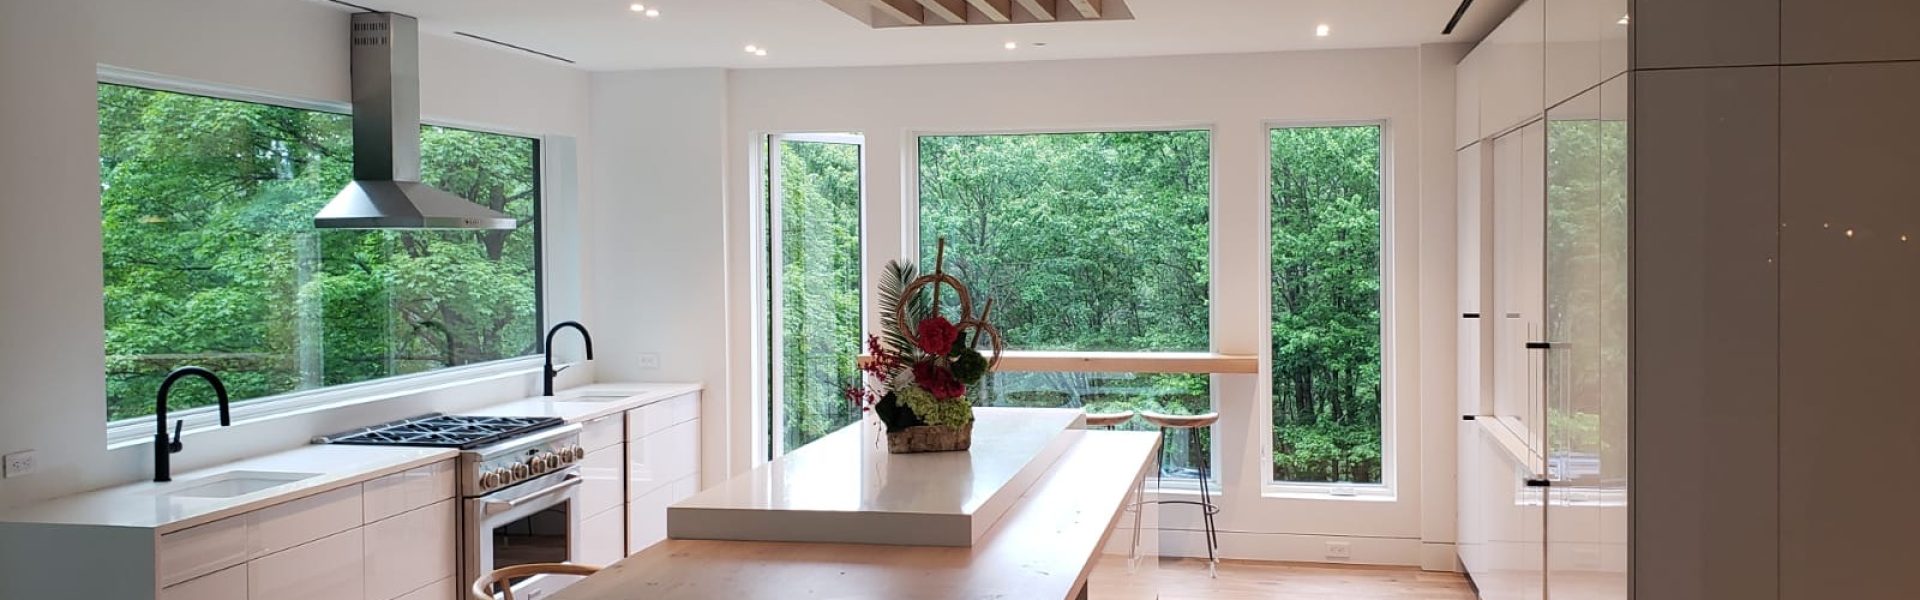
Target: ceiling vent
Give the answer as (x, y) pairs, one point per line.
(882, 14)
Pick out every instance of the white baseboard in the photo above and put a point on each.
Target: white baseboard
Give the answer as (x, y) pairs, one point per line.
(1439, 556)
(1288, 547)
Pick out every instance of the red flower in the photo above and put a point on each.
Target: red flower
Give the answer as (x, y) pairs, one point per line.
(937, 335)
(938, 380)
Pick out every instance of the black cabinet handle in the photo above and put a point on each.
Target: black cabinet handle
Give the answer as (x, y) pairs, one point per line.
(1469, 315)
(1539, 345)
(1466, 417)
(1531, 482)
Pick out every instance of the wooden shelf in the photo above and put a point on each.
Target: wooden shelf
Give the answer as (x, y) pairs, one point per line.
(1031, 361)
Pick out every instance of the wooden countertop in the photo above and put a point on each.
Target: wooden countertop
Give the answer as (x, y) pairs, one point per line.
(1043, 548)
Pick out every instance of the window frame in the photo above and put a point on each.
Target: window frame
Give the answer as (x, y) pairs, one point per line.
(139, 430)
(1387, 490)
(1212, 360)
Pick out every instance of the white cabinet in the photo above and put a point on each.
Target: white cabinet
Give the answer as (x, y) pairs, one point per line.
(1468, 77)
(603, 537)
(401, 492)
(605, 480)
(1706, 33)
(411, 550)
(226, 584)
(278, 528)
(444, 589)
(200, 550)
(1519, 180)
(668, 451)
(325, 569)
(1585, 45)
(647, 515)
(1513, 72)
(1474, 220)
(1830, 31)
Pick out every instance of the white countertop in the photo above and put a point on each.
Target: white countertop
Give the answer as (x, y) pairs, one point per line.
(843, 487)
(148, 505)
(606, 399)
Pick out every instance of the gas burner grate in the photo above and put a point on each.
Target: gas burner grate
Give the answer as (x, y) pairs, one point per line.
(445, 431)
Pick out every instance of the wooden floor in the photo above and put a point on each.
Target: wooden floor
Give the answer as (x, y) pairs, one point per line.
(1186, 579)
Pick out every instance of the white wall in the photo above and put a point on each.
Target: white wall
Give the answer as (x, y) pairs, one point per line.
(674, 214)
(51, 316)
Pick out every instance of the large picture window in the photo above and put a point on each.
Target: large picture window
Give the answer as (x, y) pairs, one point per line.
(211, 258)
(1084, 242)
(813, 251)
(1325, 211)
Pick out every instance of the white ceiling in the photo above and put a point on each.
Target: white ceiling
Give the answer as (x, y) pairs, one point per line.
(605, 35)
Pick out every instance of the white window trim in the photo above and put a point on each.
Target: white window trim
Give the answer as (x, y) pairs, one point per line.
(1386, 490)
(139, 431)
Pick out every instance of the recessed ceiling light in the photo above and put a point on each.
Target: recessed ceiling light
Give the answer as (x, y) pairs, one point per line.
(752, 48)
(637, 7)
(653, 12)
(1323, 30)
(1626, 19)
(1012, 45)
(760, 52)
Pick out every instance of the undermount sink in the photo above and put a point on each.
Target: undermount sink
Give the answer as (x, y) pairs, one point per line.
(593, 398)
(237, 483)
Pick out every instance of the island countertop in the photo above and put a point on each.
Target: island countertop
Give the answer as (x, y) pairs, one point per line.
(1044, 547)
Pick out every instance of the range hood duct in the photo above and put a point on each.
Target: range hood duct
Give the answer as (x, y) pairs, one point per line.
(386, 192)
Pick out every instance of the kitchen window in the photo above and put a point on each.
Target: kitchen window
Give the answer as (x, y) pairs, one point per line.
(1088, 243)
(813, 283)
(210, 256)
(1325, 248)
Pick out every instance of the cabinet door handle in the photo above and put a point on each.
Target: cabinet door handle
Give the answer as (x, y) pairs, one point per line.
(1469, 315)
(1539, 345)
(1538, 482)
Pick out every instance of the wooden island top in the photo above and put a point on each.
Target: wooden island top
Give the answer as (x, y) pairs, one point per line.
(1043, 548)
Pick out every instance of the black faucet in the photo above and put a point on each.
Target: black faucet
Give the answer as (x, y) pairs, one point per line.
(163, 448)
(546, 385)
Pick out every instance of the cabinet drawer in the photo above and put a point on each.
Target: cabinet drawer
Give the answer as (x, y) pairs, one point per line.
(277, 528)
(647, 515)
(326, 569)
(409, 551)
(650, 419)
(402, 492)
(226, 584)
(603, 537)
(606, 484)
(602, 432)
(190, 553)
(657, 459)
(445, 589)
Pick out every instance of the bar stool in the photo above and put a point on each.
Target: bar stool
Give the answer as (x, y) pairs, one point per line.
(1109, 420)
(499, 583)
(1191, 423)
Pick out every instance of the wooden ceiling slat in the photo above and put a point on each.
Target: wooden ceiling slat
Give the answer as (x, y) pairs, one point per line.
(1040, 9)
(953, 11)
(998, 11)
(1088, 8)
(905, 11)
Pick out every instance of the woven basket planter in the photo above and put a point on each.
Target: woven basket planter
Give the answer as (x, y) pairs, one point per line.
(928, 438)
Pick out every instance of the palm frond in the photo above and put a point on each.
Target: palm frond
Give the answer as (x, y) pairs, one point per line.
(893, 285)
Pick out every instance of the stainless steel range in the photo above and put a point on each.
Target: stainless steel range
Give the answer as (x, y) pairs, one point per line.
(518, 481)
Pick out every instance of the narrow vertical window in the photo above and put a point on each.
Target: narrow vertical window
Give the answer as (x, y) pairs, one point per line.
(1325, 211)
(813, 257)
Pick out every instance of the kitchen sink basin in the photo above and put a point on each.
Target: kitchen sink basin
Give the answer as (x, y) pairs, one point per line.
(238, 483)
(593, 398)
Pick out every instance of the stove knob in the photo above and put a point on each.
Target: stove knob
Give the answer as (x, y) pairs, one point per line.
(568, 455)
(521, 471)
(553, 462)
(489, 480)
(539, 462)
(579, 453)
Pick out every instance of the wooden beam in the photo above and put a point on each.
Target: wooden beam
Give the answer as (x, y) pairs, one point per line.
(904, 11)
(1088, 8)
(1040, 9)
(954, 11)
(998, 11)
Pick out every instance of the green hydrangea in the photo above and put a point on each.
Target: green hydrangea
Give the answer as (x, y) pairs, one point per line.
(936, 412)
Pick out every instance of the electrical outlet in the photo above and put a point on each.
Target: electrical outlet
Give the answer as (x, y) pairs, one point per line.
(1341, 550)
(20, 464)
(649, 361)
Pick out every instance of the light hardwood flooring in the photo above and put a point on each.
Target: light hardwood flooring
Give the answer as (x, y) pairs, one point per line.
(1186, 579)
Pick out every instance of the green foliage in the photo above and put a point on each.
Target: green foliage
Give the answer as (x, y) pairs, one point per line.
(934, 411)
(211, 258)
(1325, 210)
(818, 214)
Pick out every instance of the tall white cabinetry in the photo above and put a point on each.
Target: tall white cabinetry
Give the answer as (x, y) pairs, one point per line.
(1543, 228)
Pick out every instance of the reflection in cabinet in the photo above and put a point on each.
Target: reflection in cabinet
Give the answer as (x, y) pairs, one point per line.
(326, 569)
(663, 457)
(1518, 247)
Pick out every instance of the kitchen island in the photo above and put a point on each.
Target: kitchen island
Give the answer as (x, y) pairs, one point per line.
(1055, 526)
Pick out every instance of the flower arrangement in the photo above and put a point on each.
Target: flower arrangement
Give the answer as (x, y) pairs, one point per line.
(920, 368)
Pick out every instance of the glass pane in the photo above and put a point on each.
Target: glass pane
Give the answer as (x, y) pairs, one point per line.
(1165, 393)
(210, 256)
(1326, 304)
(1084, 241)
(816, 258)
(1572, 276)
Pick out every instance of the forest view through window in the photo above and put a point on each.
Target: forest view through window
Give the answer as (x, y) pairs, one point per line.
(813, 249)
(1326, 304)
(1084, 242)
(211, 257)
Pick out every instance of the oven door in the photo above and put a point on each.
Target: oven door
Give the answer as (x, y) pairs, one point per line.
(535, 522)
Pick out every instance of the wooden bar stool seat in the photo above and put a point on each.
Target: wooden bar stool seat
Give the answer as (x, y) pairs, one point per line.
(1192, 424)
(1109, 420)
(1180, 421)
(498, 585)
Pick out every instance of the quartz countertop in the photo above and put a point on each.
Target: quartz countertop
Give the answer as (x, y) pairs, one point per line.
(589, 402)
(151, 505)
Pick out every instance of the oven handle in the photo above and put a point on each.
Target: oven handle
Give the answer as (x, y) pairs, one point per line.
(490, 507)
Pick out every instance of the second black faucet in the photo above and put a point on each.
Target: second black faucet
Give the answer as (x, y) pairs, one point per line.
(546, 383)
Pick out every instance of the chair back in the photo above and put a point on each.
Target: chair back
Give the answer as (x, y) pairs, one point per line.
(498, 585)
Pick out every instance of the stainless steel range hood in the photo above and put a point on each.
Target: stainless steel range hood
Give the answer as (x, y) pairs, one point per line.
(386, 192)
